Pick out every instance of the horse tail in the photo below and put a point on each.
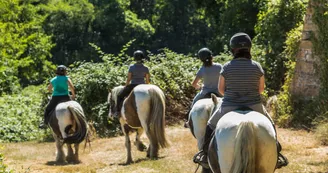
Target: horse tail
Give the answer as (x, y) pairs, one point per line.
(244, 154)
(157, 117)
(81, 127)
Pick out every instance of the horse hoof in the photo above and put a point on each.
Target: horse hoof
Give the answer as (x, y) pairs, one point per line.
(142, 147)
(154, 158)
(128, 162)
(61, 162)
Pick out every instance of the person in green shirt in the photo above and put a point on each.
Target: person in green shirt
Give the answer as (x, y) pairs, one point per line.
(59, 86)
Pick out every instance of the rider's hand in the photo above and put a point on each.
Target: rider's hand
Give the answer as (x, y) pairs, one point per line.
(73, 97)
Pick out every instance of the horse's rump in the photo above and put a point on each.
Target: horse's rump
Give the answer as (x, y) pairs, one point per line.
(245, 142)
(68, 122)
(146, 106)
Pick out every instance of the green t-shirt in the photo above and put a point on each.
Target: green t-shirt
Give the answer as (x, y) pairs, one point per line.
(60, 85)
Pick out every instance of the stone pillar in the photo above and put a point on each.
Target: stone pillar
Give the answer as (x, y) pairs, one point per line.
(305, 82)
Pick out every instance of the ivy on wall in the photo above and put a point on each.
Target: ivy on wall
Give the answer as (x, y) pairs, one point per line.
(320, 18)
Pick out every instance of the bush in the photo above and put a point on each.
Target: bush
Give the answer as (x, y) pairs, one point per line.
(20, 116)
(172, 72)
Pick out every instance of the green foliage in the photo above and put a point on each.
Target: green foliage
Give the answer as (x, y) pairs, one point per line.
(170, 71)
(24, 46)
(69, 24)
(320, 18)
(275, 20)
(20, 116)
(285, 104)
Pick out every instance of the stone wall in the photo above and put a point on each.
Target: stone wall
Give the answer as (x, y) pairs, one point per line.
(306, 83)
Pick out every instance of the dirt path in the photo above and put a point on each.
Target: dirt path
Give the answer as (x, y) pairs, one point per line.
(108, 155)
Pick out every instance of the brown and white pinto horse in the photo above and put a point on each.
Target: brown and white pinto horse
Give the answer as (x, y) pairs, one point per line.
(69, 127)
(143, 109)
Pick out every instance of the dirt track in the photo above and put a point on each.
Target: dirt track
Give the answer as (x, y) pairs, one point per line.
(108, 155)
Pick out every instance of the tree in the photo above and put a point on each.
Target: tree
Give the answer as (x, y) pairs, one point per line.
(25, 48)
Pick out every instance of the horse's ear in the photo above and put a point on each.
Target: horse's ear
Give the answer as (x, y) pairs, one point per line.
(214, 98)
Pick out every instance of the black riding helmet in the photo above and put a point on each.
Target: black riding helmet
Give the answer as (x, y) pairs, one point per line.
(138, 55)
(61, 70)
(204, 54)
(240, 41)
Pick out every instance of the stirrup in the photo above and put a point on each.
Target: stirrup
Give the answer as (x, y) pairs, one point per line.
(282, 161)
(43, 126)
(201, 158)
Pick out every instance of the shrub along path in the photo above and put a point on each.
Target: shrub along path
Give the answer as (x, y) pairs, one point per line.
(108, 155)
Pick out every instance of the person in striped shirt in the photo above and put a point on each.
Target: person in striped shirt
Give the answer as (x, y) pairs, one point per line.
(241, 83)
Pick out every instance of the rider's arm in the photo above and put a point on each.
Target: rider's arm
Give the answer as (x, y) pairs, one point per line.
(221, 85)
(195, 83)
(71, 87)
(261, 84)
(50, 87)
(147, 78)
(128, 79)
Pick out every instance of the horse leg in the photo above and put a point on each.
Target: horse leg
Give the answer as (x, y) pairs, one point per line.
(138, 142)
(126, 130)
(76, 154)
(70, 154)
(60, 158)
(152, 151)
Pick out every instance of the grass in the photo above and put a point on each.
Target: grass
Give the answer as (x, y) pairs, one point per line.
(108, 155)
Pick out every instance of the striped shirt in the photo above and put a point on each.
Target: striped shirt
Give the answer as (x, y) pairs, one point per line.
(242, 78)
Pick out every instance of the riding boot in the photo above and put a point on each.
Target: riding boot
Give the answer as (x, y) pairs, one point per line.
(201, 156)
(43, 125)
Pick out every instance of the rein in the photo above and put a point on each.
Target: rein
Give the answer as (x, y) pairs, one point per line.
(197, 168)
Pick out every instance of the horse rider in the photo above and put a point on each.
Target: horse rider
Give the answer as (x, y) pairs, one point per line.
(138, 74)
(59, 86)
(209, 73)
(241, 84)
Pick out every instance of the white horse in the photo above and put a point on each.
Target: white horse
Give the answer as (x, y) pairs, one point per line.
(143, 109)
(198, 117)
(200, 114)
(69, 126)
(244, 142)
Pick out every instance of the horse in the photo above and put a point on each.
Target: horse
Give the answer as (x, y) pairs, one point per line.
(199, 115)
(69, 126)
(244, 141)
(142, 110)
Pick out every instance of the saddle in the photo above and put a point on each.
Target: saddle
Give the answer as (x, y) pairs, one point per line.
(243, 109)
(208, 95)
